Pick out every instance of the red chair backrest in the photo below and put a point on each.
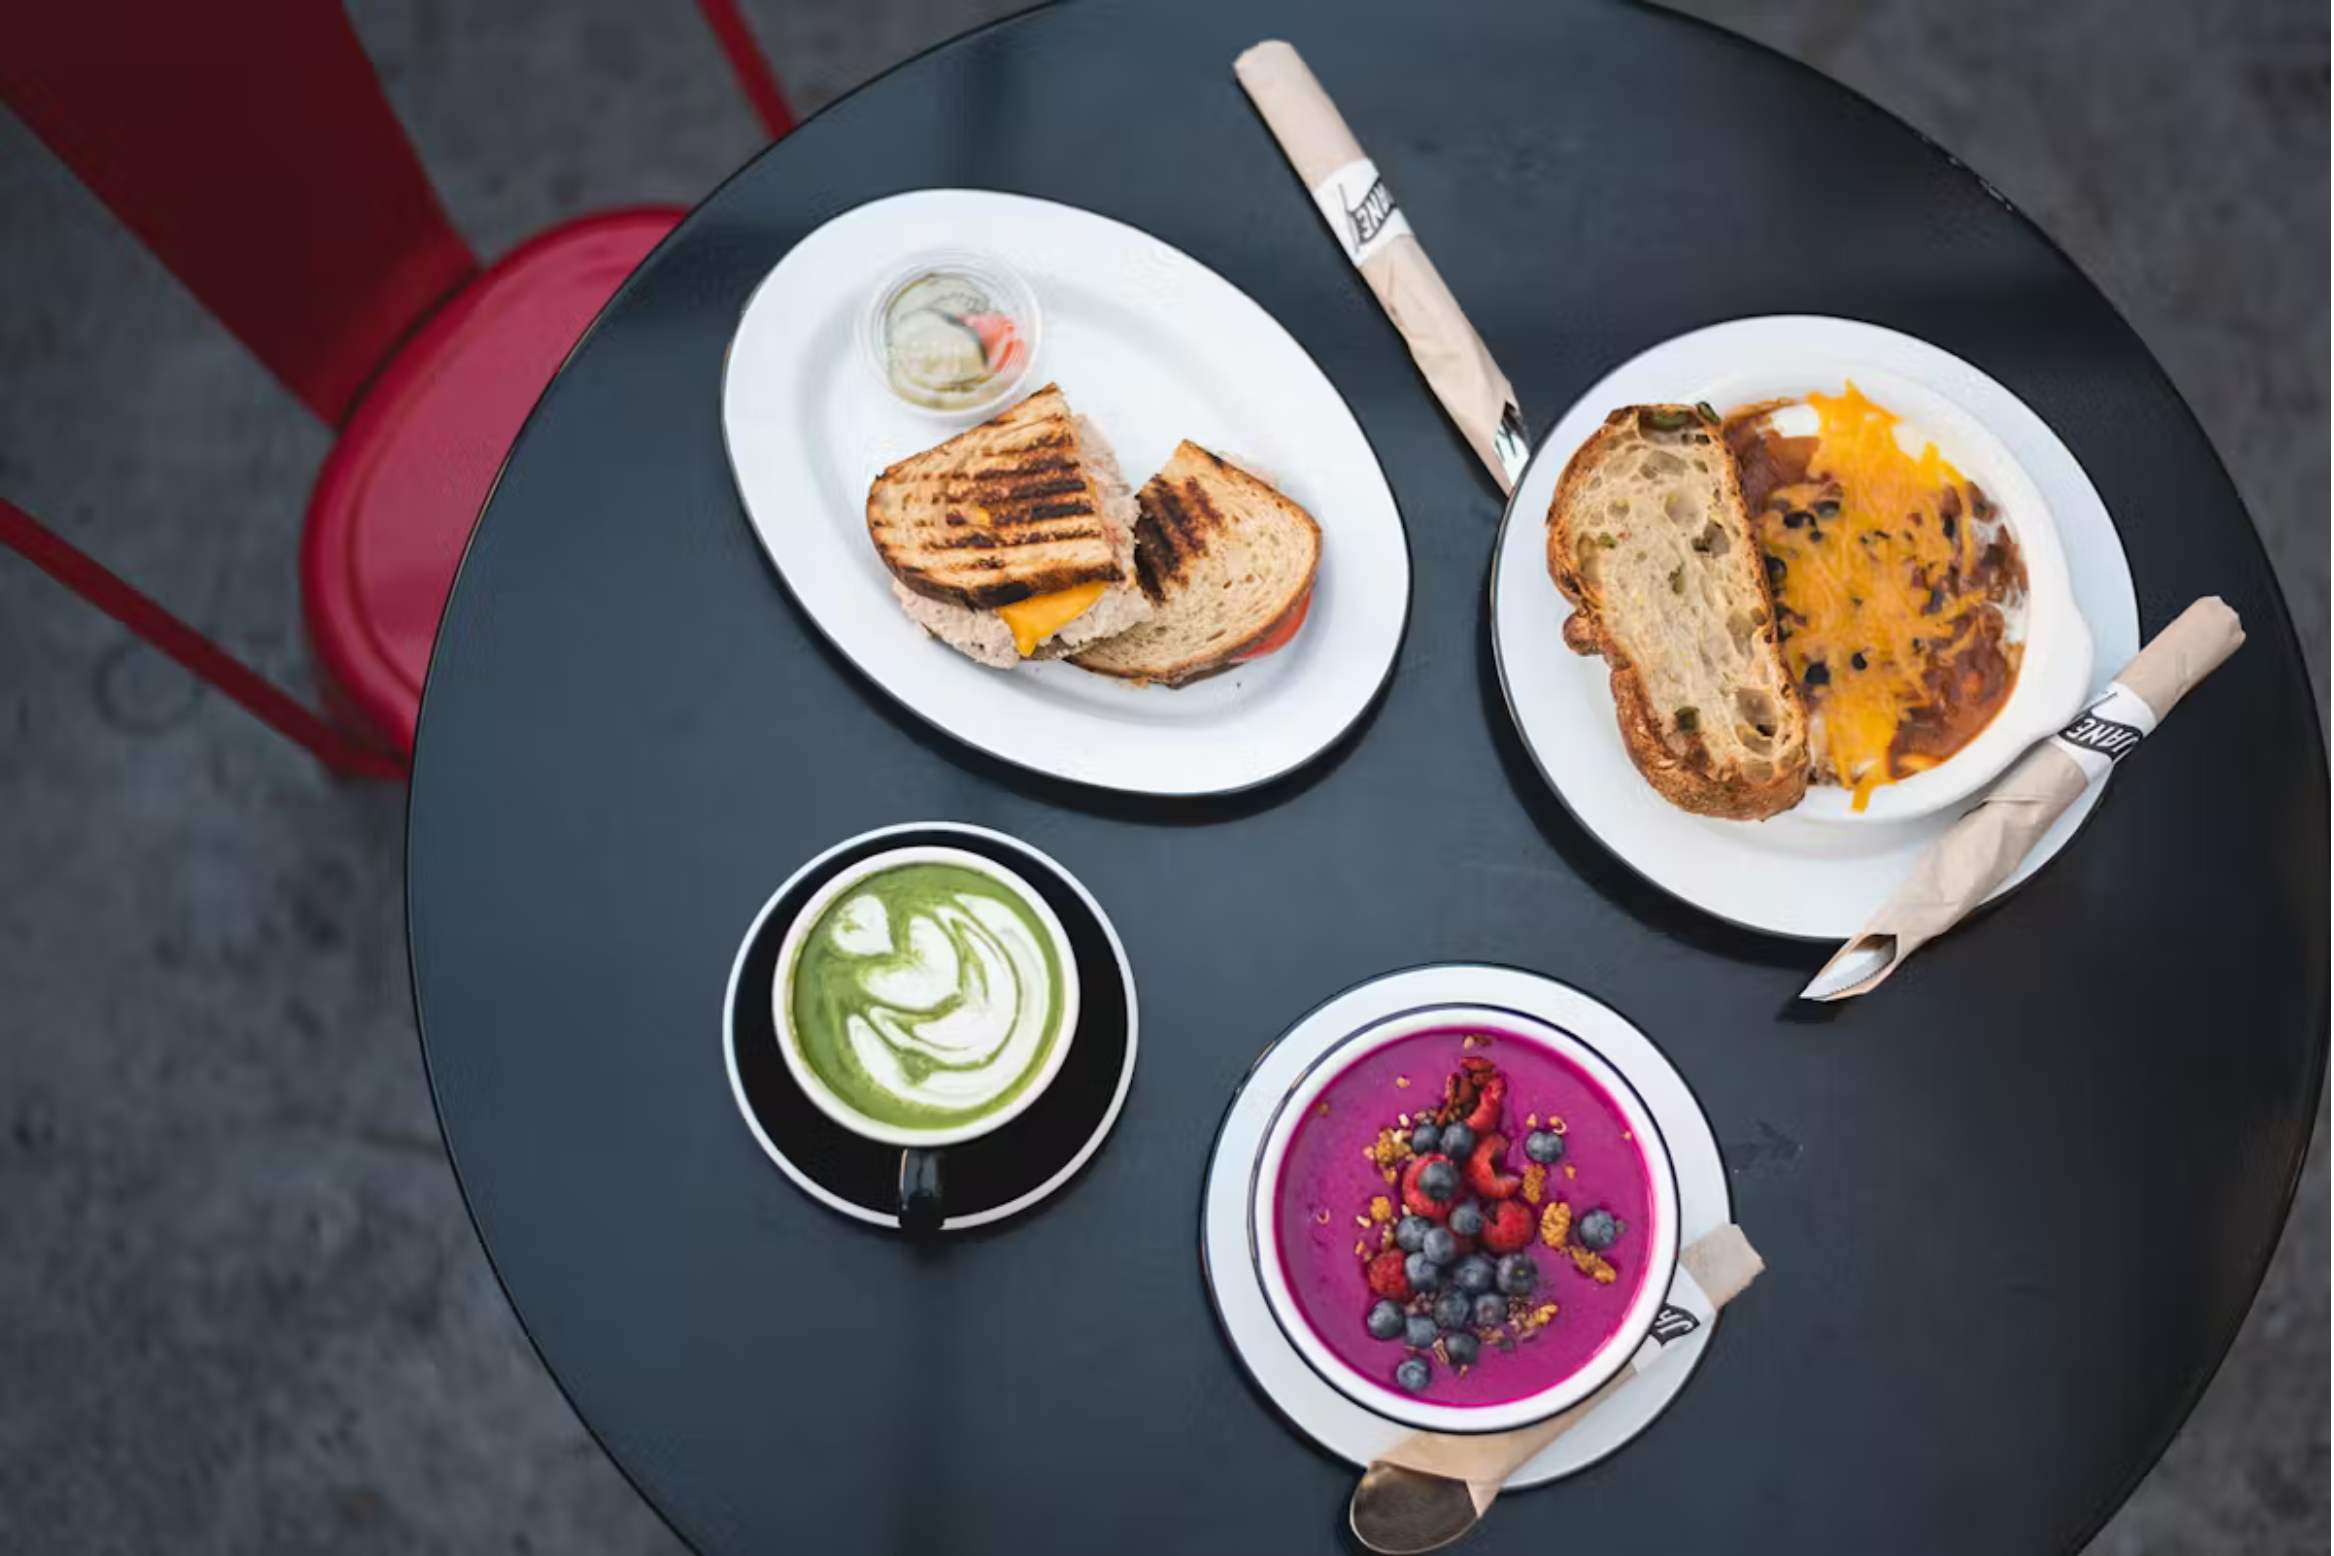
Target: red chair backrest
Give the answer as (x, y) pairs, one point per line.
(248, 144)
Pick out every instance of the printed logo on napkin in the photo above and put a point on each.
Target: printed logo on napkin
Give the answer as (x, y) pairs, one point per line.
(1360, 209)
(2107, 731)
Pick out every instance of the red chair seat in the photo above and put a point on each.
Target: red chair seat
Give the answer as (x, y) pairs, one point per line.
(396, 500)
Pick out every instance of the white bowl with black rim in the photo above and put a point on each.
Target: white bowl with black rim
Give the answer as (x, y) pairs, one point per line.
(2043, 620)
(1657, 1247)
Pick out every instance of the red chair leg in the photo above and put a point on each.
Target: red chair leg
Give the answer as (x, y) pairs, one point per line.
(754, 76)
(48, 551)
(248, 144)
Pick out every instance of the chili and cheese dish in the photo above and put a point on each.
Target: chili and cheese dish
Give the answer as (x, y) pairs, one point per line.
(1894, 580)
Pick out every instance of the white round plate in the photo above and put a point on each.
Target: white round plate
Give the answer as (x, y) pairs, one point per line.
(1794, 874)
(1154, 348)
(1301, 1394)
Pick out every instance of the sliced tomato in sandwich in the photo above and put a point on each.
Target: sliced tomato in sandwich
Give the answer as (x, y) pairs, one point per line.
(1278, 638)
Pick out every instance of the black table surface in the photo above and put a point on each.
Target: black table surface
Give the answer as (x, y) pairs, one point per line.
(2013, 1208)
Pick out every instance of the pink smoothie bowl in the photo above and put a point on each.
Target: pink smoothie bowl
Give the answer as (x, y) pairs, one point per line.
(1312, 1183)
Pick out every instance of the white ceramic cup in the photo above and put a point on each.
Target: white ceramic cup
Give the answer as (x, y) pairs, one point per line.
(1658, 1246)
(825, 1099)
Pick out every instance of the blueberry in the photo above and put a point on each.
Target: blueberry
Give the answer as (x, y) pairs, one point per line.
(1439, 1181)
(1440, 1245)
(1451, 1310)
(1518, 1275)
(1467, 1220)
(1384, 1322)
(1462, 1348)
(1418, 1331)
(1410, 1233)
(1544, 1146)
(1423, 1273)
(1414, 1374)
(1425, 1140)
(1491, 1310)
(1597, 1229)
(1458, 1140)
(1474, 1274)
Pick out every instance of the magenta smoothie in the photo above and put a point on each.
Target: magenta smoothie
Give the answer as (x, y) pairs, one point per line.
(1539, 1221)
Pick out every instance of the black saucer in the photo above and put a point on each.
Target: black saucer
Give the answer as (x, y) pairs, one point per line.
(990, 1178)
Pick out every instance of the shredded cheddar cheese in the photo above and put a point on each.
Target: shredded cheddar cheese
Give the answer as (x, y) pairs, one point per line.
(1885, 572)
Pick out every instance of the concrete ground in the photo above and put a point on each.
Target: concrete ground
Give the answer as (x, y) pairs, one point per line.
(241, 1310)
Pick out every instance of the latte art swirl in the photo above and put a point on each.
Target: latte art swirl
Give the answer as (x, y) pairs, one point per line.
(927, 995)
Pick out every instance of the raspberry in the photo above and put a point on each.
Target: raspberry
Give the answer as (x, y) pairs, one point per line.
(1386, 1277)
(1485, 1175)
(1509, 1226)
(1415, 1199)
(1490, 1098)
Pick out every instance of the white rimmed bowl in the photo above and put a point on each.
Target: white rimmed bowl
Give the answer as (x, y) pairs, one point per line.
(1659, 1248)
(2054, 676)
(839, 1109)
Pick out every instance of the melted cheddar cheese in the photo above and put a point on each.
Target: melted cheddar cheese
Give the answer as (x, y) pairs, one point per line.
(1042, 615)
(1888, 570)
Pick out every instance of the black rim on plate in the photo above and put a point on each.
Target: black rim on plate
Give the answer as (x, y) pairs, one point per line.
(1508, 517)
(988, 1178)
(908, 705)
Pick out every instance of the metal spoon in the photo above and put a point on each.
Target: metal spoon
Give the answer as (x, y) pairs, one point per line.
(1399, 1511)
(1404, 1512)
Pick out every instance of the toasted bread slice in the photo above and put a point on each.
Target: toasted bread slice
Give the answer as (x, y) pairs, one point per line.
(1649, 540)
(1228, 564)
(999, 514)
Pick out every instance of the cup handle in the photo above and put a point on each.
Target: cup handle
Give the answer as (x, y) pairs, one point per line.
(920, 1190)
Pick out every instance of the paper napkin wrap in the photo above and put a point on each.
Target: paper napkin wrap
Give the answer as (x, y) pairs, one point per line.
(1964, 866)
(1720, 1263)
(1360, 211)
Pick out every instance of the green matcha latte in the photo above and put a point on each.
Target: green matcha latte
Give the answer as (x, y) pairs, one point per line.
(927, 996)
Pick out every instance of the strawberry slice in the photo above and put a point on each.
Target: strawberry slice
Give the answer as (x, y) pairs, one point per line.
(1485, 1173)
(1490, 1098)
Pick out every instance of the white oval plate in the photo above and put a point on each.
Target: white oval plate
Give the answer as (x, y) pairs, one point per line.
(1295, 1389)
(1155, 348)
(1796, 874)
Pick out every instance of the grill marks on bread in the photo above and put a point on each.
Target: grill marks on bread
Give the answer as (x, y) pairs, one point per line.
(1026, 499)
(1228, 564)
(1179, 518)
(999, 514)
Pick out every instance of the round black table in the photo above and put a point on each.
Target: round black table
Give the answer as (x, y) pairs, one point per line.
(2013, 1207)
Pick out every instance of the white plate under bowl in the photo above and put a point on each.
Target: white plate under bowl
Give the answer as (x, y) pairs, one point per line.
(1294, 1387)
(1154, 348)
(1800, 873)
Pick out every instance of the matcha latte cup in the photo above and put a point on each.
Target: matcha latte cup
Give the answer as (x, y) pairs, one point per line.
(925, 997)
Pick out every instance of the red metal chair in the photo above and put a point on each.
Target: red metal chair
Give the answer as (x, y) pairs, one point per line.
(248, 144)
